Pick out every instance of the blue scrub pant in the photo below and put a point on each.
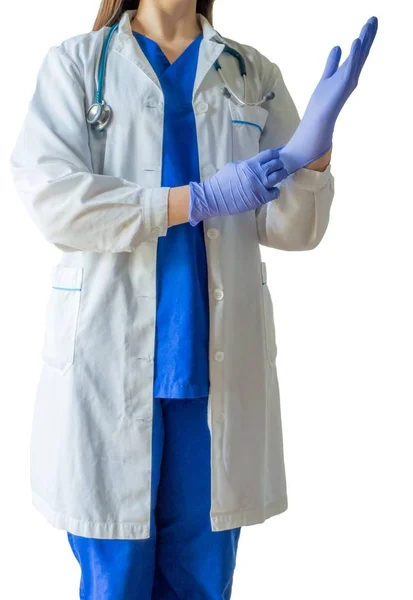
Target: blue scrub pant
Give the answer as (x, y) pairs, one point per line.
(182, 558)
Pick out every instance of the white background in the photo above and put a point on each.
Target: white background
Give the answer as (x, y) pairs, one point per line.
(343, 319)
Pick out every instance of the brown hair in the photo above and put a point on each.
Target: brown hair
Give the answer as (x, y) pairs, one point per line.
(110, 11)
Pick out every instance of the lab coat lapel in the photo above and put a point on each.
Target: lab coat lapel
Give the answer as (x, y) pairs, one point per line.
(126, 45)
(210, 49)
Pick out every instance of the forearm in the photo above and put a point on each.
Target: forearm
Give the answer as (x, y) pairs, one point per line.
(178, 199)
(299, 218)
(178, 205)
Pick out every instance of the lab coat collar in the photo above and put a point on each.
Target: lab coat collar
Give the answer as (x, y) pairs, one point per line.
(211, 47)
(208, 31)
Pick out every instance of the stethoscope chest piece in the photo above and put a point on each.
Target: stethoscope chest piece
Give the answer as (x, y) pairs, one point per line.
(98, 115)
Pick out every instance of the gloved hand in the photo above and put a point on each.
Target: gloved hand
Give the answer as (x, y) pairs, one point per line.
(238, 187)
(313, 137)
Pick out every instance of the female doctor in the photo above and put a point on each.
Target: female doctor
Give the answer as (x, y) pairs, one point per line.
(157, 430)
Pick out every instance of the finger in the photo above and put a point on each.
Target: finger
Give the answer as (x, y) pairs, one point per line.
(267, 155)
(373, 23)
(365, 30)
(354, 57)
(366, 40)
(347, 64)
(367, 37)
(274, 165)
(332, 63)
(271, 194)
(275, 178)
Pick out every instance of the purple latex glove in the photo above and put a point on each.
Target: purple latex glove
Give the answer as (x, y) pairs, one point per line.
(314, 135)
(238, 187)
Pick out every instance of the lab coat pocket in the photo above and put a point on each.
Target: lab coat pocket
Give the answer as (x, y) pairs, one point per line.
(61, 317)
(247, 125)
(268, 311)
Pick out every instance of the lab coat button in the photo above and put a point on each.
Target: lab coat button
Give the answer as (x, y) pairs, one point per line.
(151, 103)
(156, 230)
(218, 294)
(219, 356)
(201, 107)
(212, 233)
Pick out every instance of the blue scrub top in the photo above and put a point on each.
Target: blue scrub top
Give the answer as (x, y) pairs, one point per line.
(182, 311)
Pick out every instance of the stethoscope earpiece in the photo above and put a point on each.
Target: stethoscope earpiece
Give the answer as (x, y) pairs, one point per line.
(225, 92)
(269, 96)
(226, 89)
(231, 96)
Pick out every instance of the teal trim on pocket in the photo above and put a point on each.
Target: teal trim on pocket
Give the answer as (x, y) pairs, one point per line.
(248, 123)
(66, 289)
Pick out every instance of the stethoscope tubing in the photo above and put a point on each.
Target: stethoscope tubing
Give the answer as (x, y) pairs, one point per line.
(99, 113)
(102, 65)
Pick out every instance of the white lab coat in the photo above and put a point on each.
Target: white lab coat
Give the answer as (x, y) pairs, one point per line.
(92, 428)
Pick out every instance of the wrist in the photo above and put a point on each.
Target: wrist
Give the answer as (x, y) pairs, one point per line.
(178, 203)
(196, 191)
(321, 163)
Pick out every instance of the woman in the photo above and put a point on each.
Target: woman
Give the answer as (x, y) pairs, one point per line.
(157, 429)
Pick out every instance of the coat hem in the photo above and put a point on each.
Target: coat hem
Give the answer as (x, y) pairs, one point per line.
(252, 516)
(93, 529)
(138, 531)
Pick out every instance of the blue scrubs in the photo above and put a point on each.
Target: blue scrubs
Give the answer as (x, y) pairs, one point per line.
(182, 558)
(182, 315)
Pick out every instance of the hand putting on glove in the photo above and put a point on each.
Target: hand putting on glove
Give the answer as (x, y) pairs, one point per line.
(238, 187)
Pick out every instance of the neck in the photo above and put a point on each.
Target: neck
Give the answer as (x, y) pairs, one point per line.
(167, 20)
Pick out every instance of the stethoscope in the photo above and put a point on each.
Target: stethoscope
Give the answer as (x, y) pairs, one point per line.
(99, 113)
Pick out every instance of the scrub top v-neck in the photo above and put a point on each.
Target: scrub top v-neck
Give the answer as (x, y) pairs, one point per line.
(181, 368)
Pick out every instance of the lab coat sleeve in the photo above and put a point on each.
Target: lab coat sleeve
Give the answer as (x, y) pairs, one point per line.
(51, 166)
(298, 219)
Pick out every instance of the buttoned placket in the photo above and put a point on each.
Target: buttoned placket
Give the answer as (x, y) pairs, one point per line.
(126, 45)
